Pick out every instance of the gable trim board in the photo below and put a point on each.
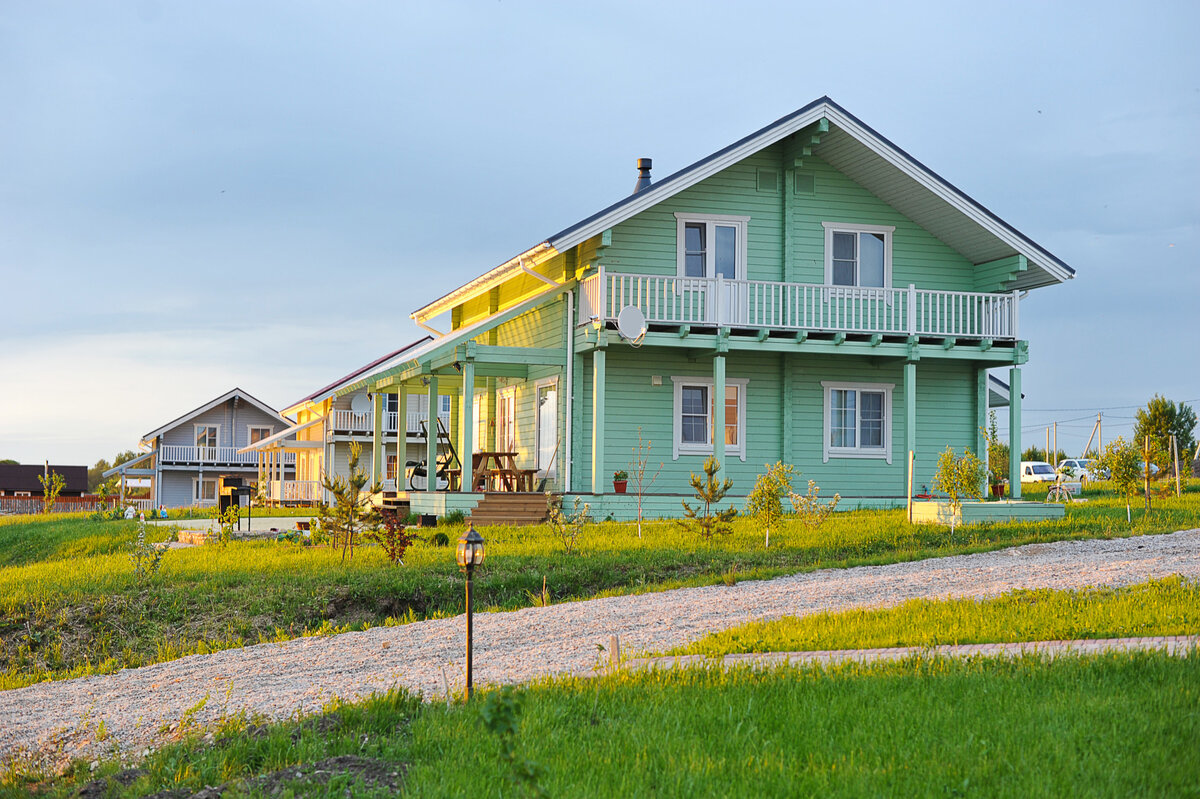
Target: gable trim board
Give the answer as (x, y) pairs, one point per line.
(236, 392)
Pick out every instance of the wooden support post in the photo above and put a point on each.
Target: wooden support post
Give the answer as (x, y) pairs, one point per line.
(1014, 432)
(1175, 451)
(614, 652)
(1146, 466)
(981, 422)
(598, 473)
(911, 456)
(431, 436)
(1055, 461)
(466, 427)
(910, 410)
(401, 436)
(377, 470)
(718, 400)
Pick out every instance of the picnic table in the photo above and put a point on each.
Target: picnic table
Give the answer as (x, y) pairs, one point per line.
(495, 471)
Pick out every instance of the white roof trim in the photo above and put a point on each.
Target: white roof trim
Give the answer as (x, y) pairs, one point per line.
(291, 431)
(237, 392)
(123, 466)
(453, 338)
(537, 255)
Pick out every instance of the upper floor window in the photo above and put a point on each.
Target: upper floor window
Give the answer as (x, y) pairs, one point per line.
(858, 420)
(858, 255)
(206, 435)
(711, 245)
(257, 434)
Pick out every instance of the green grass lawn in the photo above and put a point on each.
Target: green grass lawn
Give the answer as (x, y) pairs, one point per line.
(1115, 725)
(70, 603)
(1160, 607)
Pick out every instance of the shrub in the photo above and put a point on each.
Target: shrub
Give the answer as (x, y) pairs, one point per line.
(567, 526)
(394, 537)
(765, 502)
(1121, 460)
(146, 557)
(959, 478)
(810, 511)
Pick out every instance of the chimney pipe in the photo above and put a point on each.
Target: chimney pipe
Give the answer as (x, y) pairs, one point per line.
(643, 180)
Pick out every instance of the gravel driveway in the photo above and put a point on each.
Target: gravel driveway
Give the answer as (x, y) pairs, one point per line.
(300, 676)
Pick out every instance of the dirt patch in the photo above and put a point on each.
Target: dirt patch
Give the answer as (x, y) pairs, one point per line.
(99, 788)
(370, 773)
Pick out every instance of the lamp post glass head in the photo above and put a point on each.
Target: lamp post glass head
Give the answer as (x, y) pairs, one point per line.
(470, 549)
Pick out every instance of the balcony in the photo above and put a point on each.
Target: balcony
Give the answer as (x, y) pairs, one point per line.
(349, 422)
(760, 304)
(188, 455)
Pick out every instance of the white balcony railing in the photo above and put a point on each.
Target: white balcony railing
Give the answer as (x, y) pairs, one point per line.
(351, 422)
(187, 453)
(294, 490)
(800, 306)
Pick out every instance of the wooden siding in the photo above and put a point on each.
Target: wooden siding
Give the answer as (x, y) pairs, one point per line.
(946, 415)
(645, 244)
(227, 419)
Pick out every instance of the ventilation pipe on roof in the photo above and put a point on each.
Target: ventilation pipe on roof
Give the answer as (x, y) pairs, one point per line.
(643, 180)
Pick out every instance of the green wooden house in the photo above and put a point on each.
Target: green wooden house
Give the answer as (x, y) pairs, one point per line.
(811, 294)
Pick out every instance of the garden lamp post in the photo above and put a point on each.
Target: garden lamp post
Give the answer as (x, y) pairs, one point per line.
(469, 555)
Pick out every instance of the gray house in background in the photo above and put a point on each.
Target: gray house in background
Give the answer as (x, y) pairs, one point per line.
(186, 457)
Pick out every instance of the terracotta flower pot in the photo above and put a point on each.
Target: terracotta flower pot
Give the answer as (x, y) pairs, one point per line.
(619, 486)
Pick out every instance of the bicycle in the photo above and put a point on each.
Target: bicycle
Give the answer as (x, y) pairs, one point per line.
(1059, 493)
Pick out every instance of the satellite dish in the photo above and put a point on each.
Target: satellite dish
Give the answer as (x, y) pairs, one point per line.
(631, 324)
(360, 404)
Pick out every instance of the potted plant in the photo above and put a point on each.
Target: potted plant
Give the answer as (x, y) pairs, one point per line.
(620, 481)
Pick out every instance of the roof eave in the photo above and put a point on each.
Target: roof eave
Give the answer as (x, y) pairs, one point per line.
(536, 256)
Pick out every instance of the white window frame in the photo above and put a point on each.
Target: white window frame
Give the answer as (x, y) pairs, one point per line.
(196, 483)
(847, 227)
(678, 446)
(196, 436)
(858, 451)
(741, 223)
(552, 467)
(250, 428)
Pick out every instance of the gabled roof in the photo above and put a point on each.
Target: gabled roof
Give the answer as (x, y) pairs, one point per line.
(324, 393)
(236, 392)
(859, 152)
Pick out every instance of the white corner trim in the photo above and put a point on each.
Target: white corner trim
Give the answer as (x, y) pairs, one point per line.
(877, 453)
(677, 446)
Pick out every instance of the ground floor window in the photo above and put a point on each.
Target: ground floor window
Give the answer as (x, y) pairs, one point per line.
(547, 427)
(858, 420)
(204, 489)
(390, 468)
(506, 419)
(696, 421)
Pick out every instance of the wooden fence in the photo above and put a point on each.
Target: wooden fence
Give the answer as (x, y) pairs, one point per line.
(84, 504)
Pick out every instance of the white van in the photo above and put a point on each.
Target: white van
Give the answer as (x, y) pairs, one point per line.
(1037, 472)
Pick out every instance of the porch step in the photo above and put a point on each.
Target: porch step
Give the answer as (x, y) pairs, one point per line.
(392, 502)
(509, 508)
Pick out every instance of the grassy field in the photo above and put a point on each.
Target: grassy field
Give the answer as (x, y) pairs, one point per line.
(1118, 725)
(1160, 607)
(70, 603)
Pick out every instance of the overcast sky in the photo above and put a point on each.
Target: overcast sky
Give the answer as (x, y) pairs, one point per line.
(196, 196)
